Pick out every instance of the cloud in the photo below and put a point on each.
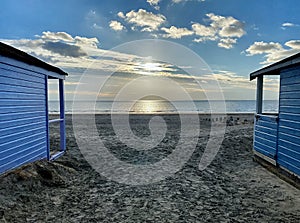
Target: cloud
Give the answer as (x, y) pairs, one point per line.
(228, 79)
(57, 36)
(75, 54)
(206, 38)
(154, 3)
(294, 44)
(272, 51)
(234, 30)
(64, 49)
(121, 15)
(263, 48)
(87, 42)
(236, 86)
(288, 24)
(82, 52)
(148, 21)
(79, 53)
(176, 33)
(51, 44)
(67, 38)
(95, 26)
(115, 25)
(223, 29)
(202, 30)
(227, 26)
(227, 43)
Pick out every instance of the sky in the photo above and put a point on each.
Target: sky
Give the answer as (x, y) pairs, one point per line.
(107, 40)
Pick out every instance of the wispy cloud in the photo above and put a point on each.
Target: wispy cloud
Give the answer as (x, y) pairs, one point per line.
(288, 24)
(234, 86)
(96, 26)
(228, 79)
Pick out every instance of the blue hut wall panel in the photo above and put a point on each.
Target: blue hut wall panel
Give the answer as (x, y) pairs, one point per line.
(23, 114)
(288, 154)
(266, 135)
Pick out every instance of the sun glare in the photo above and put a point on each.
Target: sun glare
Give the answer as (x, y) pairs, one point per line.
(151, 67)
(149, 106)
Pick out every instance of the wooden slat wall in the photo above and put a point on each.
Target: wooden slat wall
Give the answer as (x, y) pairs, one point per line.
(289, 120)
(22, 117)
(265, 140)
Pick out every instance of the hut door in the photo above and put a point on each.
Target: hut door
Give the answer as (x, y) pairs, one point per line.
(265, 135)
(266, 126)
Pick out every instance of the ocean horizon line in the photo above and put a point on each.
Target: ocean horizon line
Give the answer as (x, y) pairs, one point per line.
(159, 106)
(154, 113)
(165, 100)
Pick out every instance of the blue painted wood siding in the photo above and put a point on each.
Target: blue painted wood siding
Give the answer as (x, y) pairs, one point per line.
(289, 120)
(265, 135)
(23, 129)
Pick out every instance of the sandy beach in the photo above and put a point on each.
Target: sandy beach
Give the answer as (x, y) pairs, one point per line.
(233, 188)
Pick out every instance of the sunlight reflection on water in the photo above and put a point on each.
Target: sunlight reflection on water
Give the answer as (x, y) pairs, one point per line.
(152, 106)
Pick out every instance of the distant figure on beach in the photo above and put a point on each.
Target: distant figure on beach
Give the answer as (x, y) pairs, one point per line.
(230, 121)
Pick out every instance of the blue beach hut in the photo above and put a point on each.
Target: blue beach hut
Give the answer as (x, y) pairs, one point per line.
(24, 117)
(277, 136)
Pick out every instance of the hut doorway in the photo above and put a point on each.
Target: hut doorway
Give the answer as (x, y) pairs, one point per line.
(56, 118)
(266, 117)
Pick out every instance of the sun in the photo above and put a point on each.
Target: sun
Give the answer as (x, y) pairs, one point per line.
(151, 67)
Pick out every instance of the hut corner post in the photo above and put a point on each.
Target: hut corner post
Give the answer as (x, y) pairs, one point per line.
(47, 118)
(259, 94)
(62, 115)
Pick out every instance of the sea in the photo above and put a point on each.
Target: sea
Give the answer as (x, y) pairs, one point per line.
(162, 106)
